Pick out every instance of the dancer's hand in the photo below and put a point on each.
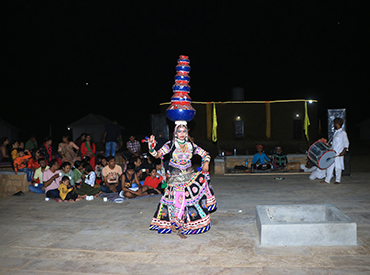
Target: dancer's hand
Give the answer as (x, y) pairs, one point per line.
(205, 167)
(151, 142)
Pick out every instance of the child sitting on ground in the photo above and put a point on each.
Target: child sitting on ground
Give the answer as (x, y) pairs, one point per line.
(101, 162)
(66, 191)
(131, 187)
(153, 182)
(87, 186)
(78, 170)
(67, 171)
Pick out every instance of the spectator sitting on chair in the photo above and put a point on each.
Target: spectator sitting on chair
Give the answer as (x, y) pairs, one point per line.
(111, 174)
(88, 149)
(46, 151)
(4, 157)
(68, 150)
(20, 164)
(33, 162)
(31, 144)
(260, 160)
(14, 150)
(133, 147)
(279, 159)
(37, 183)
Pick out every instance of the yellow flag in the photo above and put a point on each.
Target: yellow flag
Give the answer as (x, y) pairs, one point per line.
(268, 119)
(306, 121)
(214, 124)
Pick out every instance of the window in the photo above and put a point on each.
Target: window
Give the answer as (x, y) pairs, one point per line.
(239, 129)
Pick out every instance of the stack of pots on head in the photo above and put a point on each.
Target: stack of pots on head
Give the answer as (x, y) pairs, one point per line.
(180, 108)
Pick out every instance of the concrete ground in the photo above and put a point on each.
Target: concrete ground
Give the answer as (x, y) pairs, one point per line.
(96, 237)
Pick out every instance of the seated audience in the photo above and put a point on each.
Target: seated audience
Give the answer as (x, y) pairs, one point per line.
(78, 171)
(66, 190)
(316, 172)
(147, 163)
(133, 147)
(279, 159)
(87, 187)
(138, 169)
(4, 156)
(154, 182)
(131, 187)
(260, 160)
(14, 150)
(37, 183)
(161, 171)
(68, 150)
(20, 164)
(88, 149)
(67, 171)
(31, 144)
(51, 179)
(21, 145)
(111, 175)
(80, 140)
(46, 151)
(101, 162)
(33, 162)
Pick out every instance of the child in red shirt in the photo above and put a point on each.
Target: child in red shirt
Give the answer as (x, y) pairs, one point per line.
(20, 163)
(153, 182)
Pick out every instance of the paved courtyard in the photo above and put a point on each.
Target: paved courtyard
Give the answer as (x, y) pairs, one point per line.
(96, 237)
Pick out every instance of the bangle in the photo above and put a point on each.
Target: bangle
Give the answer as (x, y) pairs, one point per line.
(153, 152)
(207, 159)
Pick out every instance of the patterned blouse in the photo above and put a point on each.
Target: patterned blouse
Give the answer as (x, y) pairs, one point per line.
(182, 160)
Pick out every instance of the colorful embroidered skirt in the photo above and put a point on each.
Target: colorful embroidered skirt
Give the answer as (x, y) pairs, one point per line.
(186, 203)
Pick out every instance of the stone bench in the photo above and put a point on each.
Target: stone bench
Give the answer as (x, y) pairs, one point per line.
(224, 164)
(11, 183)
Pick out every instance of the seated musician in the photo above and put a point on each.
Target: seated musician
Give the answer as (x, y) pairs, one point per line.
(279, 159)
(260, 160)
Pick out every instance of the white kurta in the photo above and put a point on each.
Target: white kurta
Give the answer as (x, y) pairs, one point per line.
(340, 141)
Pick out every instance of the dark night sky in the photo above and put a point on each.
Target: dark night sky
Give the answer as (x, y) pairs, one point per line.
(127, 52)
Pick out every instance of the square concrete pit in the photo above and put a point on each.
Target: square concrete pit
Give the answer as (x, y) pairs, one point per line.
(304, 225)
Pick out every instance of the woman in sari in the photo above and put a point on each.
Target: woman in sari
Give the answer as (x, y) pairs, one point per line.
(189, 197)
(66, 150)
(88, 149)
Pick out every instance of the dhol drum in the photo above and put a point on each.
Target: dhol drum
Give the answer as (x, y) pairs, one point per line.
(321, 154)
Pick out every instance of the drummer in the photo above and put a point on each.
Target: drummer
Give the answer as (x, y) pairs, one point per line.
(340, 145)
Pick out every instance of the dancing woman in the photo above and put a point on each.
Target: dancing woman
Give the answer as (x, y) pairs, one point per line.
(189, 197)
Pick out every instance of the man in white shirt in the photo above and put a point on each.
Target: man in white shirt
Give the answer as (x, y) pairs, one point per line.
(340, 145)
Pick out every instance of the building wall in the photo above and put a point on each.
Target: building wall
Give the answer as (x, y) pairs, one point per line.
(254, 117)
